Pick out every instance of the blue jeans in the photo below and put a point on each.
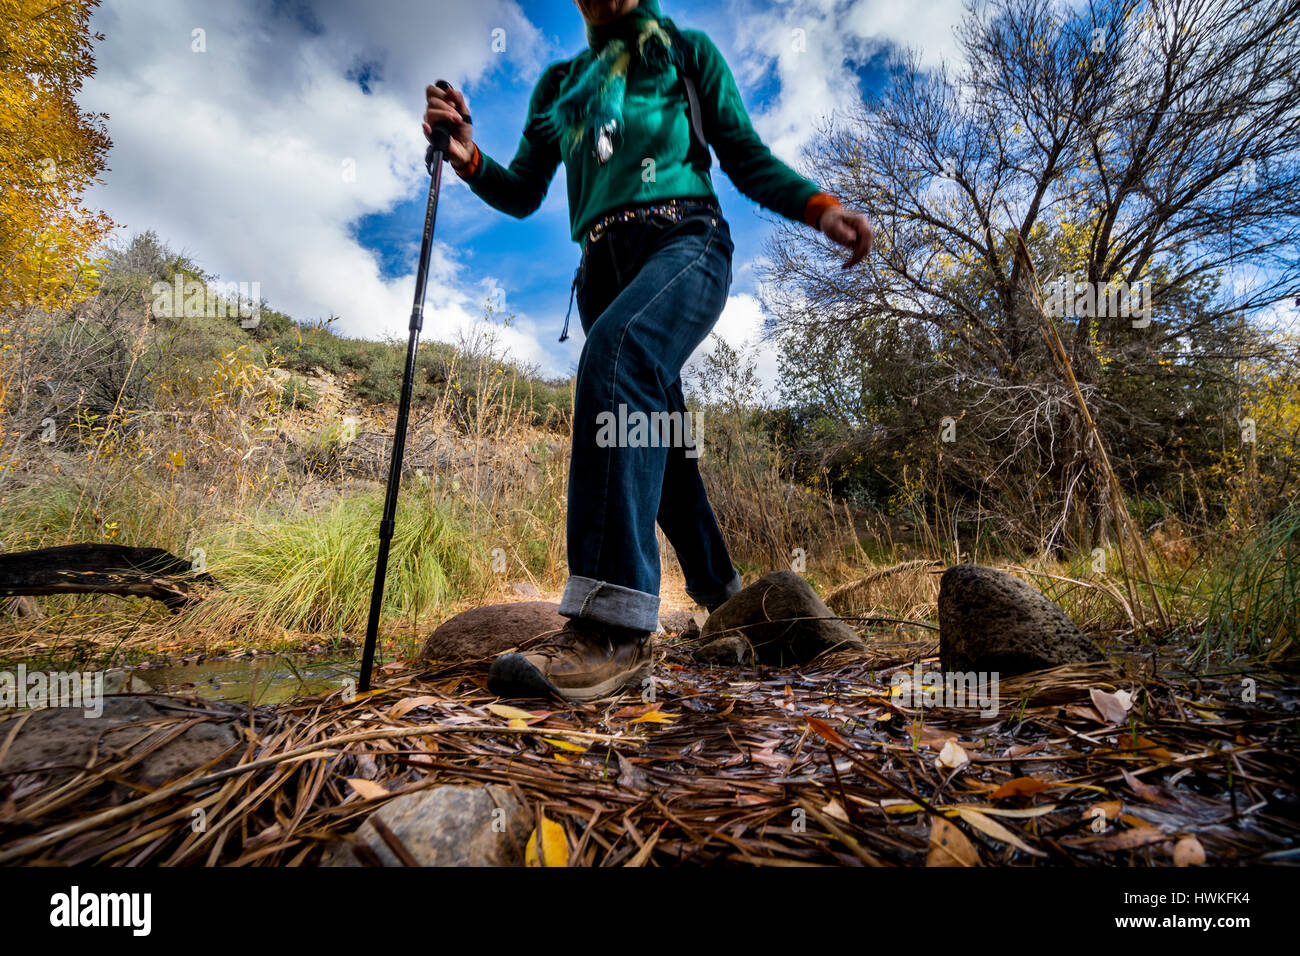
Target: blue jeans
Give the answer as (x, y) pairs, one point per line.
(648, 293)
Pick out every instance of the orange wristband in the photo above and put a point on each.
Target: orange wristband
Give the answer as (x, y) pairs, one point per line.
(817, 204)
(470, 168)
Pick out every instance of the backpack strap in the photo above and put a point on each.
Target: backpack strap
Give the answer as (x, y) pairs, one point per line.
(697, 121)
(692, 69)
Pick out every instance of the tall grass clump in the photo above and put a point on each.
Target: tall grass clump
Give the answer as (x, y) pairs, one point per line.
(315, 573)
(1255, 610)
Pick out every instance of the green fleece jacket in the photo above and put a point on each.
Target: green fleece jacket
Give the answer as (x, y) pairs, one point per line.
(656, 157)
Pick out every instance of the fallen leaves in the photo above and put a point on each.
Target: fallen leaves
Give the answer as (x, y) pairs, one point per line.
(1189, 852)
(367, 789)
(553, 847)
(949, 846)
(995, 830)
(516, 713)
(825, 731)
(565, 745)
(1018, 787)
(952, 756)
(408, 704)
(1126, 840)
(1114, 707)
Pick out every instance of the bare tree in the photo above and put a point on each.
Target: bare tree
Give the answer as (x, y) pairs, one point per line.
(1123, 144)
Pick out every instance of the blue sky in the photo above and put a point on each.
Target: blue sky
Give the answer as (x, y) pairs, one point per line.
(279, 142)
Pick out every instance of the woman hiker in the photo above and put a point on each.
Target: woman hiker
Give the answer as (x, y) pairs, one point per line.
(652, 282)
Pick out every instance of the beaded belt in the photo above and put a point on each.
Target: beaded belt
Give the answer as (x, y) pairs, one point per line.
(673, 209)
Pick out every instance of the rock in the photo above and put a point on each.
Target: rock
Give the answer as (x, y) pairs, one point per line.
(994, 622)
(445, 826)
(681, 623)
(482, 633)
(57, 742)
(783, 619)
(730, 650)
(125, 682)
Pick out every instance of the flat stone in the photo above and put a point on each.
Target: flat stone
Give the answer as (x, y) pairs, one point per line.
(482, 633)
(57, 742)
(450, 825)
(994, 622)
(783, 620)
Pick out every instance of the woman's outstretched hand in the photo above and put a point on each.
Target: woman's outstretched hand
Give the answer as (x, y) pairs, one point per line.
(848, 229)
(450, 105)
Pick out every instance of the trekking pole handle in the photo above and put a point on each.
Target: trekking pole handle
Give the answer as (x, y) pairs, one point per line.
(440, 141)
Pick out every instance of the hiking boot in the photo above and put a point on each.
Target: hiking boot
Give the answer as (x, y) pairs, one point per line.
(583, 661)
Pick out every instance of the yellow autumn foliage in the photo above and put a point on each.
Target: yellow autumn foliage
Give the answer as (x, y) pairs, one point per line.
(50, 152)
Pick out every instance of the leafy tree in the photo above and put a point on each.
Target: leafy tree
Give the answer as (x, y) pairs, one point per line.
(50, 151)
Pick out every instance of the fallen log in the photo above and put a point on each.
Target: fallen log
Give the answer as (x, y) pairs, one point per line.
(101, 569)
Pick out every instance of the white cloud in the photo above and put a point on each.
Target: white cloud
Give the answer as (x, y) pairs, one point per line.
(741, 327)
(237, 155)
(255, 155)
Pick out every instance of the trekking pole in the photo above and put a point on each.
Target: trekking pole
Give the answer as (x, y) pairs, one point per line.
(439, 142)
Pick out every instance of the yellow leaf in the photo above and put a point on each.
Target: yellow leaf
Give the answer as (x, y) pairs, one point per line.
(566, 745)
(654, 717)
(554, 849)
(510, 713)
(899, 806)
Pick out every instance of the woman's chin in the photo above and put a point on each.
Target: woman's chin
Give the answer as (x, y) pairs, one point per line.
(601, 12)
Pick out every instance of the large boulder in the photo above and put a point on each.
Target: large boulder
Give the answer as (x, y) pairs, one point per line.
(55, 743)
(481, 633)
(782, 619)
(993, 621)
(448, 825)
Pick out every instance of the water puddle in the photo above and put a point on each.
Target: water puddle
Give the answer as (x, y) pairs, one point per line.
(264, 680)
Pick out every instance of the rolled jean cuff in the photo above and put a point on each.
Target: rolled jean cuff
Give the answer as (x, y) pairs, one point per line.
(714, 598)
(611, 604)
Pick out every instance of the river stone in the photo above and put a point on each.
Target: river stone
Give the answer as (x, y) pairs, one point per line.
(125, 682)
(450, 825)
(482, 633)
(731, 650)
(679, 623)
(764, 614)
(57, 742)
(992, 621)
